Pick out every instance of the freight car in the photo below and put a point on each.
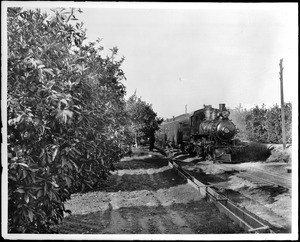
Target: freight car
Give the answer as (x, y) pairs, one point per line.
(207, 133)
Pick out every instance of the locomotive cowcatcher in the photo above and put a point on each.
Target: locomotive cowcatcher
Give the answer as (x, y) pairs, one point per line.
(207, 133)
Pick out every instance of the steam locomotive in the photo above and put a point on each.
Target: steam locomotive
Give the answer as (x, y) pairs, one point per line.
(207, 133)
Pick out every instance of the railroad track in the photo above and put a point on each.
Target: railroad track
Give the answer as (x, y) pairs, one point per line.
(257, 180)
(263, 178)
(244, 218)
(272, 178)
(255, 175)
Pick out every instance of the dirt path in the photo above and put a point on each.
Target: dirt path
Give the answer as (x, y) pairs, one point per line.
(144, 196)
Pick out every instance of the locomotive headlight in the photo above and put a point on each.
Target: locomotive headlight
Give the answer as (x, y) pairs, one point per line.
(225, 113)
(226, 130)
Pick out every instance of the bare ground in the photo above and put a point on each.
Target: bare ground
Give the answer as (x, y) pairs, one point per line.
(144, 196)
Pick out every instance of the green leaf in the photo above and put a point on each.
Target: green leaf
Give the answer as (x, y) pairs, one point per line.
(25, 173)
(30, 215)
(54, 184)
(23, 164)
(39, 194)
(68, 181)
(26, 198)
(40, 66)
(48, 70)
(64, 101)
(20, 190)
(54, 154)
(63, 161)
(64, 115)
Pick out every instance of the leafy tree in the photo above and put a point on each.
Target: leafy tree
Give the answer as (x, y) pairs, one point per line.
(264, 125)
(144, 121)
(66, 116)
(255, 124)
(274, 124)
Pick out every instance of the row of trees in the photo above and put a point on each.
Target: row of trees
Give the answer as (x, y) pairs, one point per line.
(261, 124)
(68, 119)
(144, 121)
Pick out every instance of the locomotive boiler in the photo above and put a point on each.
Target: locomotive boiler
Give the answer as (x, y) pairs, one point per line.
(207, 133)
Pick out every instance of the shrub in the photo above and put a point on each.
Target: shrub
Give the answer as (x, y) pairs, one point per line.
(252, 152)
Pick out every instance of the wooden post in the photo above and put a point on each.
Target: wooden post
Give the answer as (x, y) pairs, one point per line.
(282, 106)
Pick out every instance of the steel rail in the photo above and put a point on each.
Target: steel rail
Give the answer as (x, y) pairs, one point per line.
(261, 179)
(257, 179)
(288, 180)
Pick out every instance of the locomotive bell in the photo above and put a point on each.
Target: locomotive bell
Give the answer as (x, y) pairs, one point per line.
(225, 113)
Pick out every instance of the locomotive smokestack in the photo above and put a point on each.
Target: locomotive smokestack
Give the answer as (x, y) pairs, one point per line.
(222, 107)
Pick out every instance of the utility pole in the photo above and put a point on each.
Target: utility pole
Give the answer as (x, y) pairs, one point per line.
(282, 105)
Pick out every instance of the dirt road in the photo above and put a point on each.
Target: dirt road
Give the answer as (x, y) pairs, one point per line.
(144, 196)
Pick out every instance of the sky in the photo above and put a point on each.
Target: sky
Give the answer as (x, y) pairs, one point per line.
(179, 54)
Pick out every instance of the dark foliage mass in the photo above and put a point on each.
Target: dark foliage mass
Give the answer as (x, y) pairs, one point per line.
(68, 120)
(144, 121)
(264, 125)
(66, 116)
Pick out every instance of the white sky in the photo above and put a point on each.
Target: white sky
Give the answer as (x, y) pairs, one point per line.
(194, 54)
